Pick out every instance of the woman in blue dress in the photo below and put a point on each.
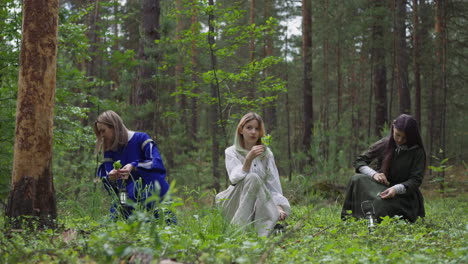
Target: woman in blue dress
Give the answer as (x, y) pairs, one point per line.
(142, 173)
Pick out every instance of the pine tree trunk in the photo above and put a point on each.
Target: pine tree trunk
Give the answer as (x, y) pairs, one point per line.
(252, 49)
(32, 191)
(146, 86)
(339, 85)
(416, 54)
(352, 82)
(380, 76)
(326, 107)
(195, 79)
(307, 73)
(288, 109)
(401, 67)
(214, 107)
(427, 63)
(131, 26)
(179, 67)
(270, 110)
(114, 71)
(439, 93)
(93, 35)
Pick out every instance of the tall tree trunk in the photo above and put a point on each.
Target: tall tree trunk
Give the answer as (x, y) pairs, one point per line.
(194, 58)
(339, 85)
(378, 61)
(355, 127)
(307, 74)
(288, 114)
(131, 25)
(370, 101)
(270, 110)
(416, 54)
(114, 73)
(401, 67)
(146, 86)
(179, 67)
(439, 94)
(93, 35)
(326, 104)
(363, 83)
(427, 64)
(252, 49)
(32, 191)
(214, 107)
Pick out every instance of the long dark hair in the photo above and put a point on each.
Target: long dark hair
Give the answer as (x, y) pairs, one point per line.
(409, 125)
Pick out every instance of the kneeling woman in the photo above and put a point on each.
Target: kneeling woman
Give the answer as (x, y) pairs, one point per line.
(143, 173)
(393, 188)
(255, 194)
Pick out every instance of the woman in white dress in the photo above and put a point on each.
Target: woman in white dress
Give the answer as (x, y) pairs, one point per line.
(255, 195)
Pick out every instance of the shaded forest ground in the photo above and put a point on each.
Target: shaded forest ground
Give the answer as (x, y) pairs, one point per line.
(314, 234)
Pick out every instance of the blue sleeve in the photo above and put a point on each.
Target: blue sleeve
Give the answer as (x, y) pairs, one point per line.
(152, 158)
(106, 166)
(150, 166)
(103, 174)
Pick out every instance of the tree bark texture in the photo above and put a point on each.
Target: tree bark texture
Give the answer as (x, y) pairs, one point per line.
(270, 115)
(379, 75)
(194, 58)
(307, 73)
(401, 67)
(339, 85)
(93, 35)
(353, 98)
(32, 191)
(416, 60)
(214, 107)
(439, 90)
(146, 86)
(252, 90)
(131, 28)
(324, 145)
(114, 71)
(179, 67)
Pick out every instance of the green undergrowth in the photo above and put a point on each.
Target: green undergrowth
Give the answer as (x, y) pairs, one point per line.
(314, 234)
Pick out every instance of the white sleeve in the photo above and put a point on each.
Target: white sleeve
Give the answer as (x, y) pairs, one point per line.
(274, 185)
(234, 167)
(367, 171)
(400, 188)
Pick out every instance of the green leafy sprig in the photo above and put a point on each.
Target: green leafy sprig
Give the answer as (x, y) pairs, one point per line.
(266, 140)
(117, 165)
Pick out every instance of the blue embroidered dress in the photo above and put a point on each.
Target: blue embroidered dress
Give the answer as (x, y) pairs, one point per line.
(150, 175)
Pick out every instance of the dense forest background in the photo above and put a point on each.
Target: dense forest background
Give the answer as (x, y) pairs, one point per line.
(327, 76)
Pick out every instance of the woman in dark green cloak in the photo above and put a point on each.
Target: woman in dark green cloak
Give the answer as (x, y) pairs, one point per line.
(391, 188)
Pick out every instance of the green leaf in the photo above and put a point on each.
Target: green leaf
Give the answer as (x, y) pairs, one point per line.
(266, 140)
(117, 165)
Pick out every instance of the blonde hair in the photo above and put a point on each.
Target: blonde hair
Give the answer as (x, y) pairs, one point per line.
(244, 120)
(114, 121)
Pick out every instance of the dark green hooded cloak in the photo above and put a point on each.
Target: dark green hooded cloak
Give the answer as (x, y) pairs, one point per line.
(406, 167)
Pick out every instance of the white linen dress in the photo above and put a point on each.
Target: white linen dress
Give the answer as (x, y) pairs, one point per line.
(252, 196)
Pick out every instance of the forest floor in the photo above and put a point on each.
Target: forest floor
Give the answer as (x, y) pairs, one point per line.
(314, 234)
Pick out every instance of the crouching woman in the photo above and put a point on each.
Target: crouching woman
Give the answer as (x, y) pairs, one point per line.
(392, 187)
(255, 195)
(143, 174)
